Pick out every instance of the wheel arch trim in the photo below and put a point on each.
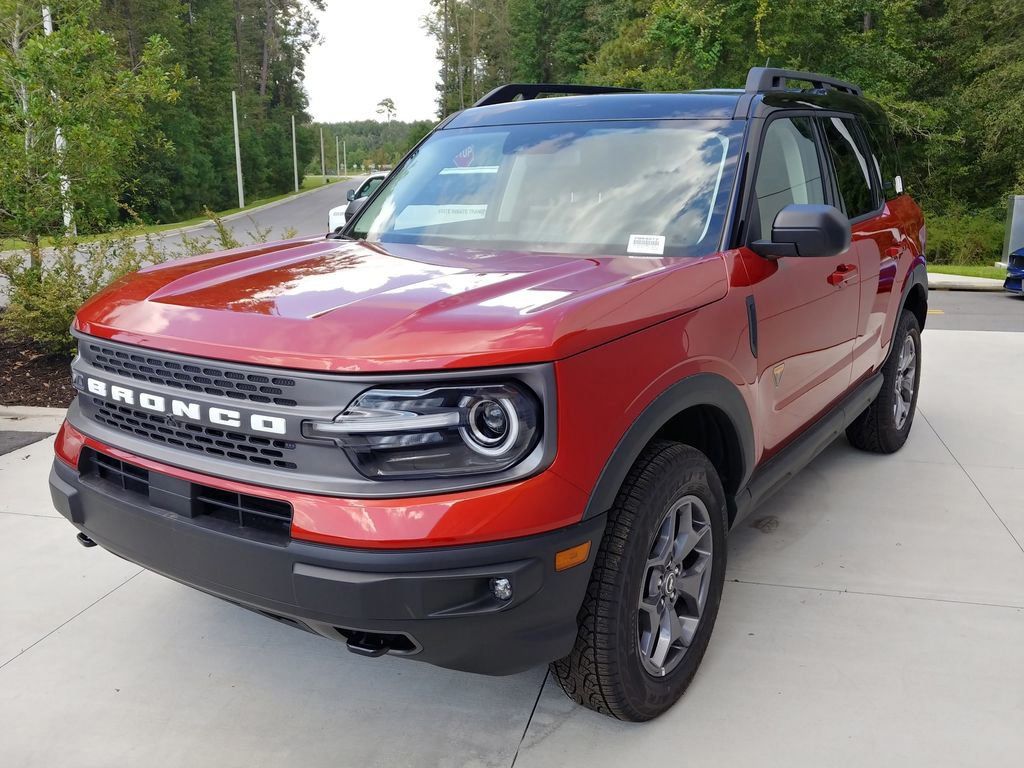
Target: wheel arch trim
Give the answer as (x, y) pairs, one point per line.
(701, 389)
(917, 276)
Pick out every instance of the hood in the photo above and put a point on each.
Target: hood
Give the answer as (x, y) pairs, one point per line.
(333, 305)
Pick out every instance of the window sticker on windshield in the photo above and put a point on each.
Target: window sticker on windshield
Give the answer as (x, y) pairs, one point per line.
(465, 158)
(652, 245)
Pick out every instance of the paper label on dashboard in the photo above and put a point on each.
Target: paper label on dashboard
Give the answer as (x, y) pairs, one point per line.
(651, 245)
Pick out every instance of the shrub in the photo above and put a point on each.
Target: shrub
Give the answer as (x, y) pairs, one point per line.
(44, 293)
(959, 237)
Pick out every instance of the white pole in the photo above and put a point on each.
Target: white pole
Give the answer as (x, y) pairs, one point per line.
(295, 156)
(238, 152)
(323, 168)
(337, 155)
(58, 143)
(344, 157)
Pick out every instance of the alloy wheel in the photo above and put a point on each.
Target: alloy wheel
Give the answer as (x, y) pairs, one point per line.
(906, 375)
(677, 576)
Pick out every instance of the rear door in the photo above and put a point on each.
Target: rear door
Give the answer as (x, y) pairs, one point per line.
(875, 243)
(806, 307)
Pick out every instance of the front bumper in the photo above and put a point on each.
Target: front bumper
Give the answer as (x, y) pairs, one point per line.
(1015, 273)
(434, 605)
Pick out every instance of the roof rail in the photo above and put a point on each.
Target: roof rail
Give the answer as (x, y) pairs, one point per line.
(770, 79)
(526, 91)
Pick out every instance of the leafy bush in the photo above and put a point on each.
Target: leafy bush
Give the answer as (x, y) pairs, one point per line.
(44, 292)
(960, 237)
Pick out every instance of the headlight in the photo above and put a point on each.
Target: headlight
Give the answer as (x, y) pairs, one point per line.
(437, 431)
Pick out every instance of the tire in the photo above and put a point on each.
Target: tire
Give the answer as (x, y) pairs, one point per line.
(884, 426)
(611, 668)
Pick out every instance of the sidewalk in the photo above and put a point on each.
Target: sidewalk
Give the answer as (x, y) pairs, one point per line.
(22, 426)
(937, 282)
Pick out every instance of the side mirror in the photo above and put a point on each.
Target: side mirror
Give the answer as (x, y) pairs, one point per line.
(806, 230)
(350, 195)
(358, 204)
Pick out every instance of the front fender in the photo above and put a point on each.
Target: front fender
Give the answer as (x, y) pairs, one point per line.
(699, 389)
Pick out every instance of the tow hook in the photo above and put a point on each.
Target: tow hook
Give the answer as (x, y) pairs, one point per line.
(85, 541)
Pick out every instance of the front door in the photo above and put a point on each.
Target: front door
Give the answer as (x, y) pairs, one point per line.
(806, 307)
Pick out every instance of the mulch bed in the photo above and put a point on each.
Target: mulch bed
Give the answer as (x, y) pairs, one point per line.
(31, 377)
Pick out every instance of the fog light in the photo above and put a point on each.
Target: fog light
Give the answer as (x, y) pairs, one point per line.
(501, 589)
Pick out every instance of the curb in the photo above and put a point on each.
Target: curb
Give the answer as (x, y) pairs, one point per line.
(29, 411)
(965, 287)
(27, 418)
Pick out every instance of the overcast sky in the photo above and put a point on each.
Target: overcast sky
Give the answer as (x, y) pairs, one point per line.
(372, 49)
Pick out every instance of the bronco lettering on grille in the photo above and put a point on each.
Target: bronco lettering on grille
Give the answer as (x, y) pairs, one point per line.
(221, 417)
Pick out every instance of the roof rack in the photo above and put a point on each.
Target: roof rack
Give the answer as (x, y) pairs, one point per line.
(770, 79)
(526, 91)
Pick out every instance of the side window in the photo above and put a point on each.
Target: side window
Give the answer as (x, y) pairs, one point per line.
(853, 174)
(368, 188)
(882, 145)
(788, 172)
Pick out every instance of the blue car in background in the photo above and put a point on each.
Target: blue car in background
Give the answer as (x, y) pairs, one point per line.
(1015, 272)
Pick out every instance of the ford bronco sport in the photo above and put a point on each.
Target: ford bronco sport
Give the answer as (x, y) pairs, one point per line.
(507, 414)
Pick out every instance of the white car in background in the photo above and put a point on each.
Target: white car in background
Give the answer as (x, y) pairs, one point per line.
(336, 216)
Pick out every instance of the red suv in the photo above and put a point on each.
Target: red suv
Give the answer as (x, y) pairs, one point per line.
(508, 414)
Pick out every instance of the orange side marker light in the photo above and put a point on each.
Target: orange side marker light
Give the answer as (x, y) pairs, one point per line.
(573, 556)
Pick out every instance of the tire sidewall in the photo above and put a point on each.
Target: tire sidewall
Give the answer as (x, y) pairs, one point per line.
(651, 695)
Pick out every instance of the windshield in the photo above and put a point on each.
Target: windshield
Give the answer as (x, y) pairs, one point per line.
(602, 188)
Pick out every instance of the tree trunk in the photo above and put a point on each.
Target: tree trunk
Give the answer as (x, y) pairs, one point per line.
(268, 38)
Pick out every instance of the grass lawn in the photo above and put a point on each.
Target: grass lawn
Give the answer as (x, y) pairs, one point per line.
(308, 183)
(969, 270)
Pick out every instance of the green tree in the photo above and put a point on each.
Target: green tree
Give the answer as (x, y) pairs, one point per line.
(386, 107)
(256, 48)
(71, 82)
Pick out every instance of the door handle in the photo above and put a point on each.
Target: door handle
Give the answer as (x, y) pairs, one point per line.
(844, 273)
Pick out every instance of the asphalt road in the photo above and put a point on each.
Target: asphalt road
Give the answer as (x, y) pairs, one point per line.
(975, 311)
(306, 214)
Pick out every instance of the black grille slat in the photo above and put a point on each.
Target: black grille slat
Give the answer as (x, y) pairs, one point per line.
(131, 478)
(238, 509)
(215, 442)
(244, 510)
(216, 381)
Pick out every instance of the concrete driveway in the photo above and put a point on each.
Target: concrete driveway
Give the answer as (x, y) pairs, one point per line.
(874, 615)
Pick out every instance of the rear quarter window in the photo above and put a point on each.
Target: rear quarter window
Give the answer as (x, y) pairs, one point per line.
(885, 156)
(851, 165)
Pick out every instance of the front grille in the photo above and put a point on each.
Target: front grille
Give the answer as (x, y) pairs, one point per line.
(239, 511)
(156, 385)
(197, 376)
(250, 449)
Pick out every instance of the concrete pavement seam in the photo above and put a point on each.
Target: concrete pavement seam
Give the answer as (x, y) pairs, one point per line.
(968, 476)
(864, 593)
(31, 514)
(28, 648)
(543, 683)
